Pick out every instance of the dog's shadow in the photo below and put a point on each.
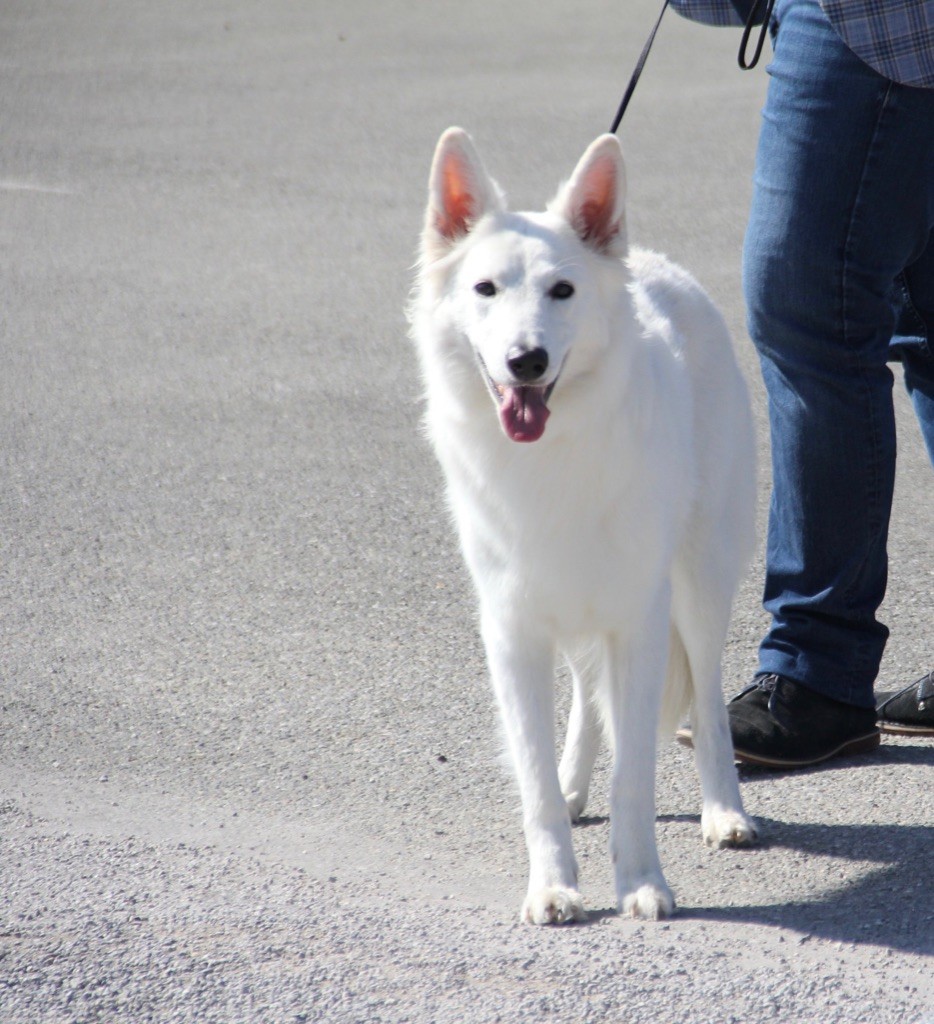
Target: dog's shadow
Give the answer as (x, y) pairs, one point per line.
(890, 906)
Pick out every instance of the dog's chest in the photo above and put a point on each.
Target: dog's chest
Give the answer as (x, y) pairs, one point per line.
(575, 537)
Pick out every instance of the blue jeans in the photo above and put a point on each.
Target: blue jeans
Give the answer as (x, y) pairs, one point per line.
(839, 281)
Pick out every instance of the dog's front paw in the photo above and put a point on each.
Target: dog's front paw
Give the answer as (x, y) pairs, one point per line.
(650, 901)
(554, 905)
(723, 827)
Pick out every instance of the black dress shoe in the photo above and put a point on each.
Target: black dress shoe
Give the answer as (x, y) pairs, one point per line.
(909, 712)
(780, 724)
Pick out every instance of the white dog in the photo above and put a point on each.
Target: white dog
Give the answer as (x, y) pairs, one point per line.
(594, 430)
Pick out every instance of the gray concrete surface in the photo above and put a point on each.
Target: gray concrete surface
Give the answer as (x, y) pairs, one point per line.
(248, 762)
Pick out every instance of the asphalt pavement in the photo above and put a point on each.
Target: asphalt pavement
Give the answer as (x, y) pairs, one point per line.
(249, 764)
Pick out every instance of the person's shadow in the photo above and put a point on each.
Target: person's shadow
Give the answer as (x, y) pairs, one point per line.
(892, 906)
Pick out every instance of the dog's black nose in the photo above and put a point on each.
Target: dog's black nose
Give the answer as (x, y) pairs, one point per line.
(527, 364)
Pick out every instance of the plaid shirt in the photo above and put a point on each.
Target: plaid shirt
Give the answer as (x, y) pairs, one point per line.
(895, 37)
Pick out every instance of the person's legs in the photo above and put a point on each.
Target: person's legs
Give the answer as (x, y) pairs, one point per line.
(843, 203)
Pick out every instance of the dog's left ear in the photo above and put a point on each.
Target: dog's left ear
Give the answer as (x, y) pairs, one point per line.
(460, 192)
(593, 201)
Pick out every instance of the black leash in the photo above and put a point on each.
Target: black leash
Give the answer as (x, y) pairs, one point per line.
(745, 64)
(640, 64)
(747, 31)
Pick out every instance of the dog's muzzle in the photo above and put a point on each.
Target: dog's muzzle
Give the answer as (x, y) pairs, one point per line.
(523, 407)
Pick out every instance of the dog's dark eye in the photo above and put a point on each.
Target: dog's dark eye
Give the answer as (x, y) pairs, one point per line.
(562, 290)
(485, 288)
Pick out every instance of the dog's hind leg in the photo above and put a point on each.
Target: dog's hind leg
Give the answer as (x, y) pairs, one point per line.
(701, 621)
(522, 664)
(585, 728)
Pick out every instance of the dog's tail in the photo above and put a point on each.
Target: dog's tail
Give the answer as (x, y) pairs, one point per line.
(679, 688)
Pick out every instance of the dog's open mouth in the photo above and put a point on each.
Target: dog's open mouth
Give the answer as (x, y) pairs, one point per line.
(523, 408)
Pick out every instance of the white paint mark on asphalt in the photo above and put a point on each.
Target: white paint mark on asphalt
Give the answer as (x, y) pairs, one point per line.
(11, 185)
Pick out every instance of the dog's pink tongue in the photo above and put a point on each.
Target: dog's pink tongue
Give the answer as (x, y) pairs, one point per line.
(523, 413)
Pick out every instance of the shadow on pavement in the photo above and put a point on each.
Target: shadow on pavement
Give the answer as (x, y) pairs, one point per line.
(892, 906)
(886, 754)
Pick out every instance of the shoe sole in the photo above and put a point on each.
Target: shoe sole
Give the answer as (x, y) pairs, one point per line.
(860, 745)
(897, 729)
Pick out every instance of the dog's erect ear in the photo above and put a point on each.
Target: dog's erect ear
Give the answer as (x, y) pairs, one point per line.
(460, 192)
(593, 201)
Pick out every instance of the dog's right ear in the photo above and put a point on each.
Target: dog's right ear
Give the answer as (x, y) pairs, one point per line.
(460, 192)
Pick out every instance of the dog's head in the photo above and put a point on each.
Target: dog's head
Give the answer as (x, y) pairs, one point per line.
(522, 290)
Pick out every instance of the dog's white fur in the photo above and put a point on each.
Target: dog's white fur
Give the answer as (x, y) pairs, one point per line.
(617, 538)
